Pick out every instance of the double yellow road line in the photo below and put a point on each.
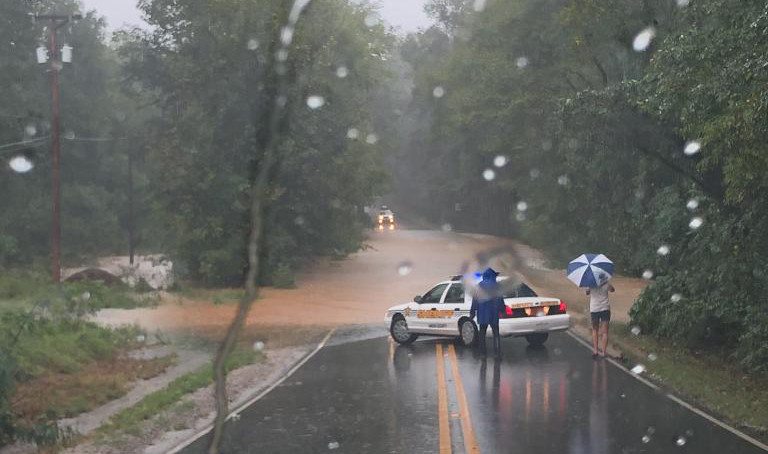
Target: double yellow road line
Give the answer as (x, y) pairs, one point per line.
(470, 442)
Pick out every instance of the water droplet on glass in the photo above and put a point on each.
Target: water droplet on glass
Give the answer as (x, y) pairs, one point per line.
(30, 130)
(557, 351)
(446, 228)
(637, 370)
(371, 139)
(663, 250)
(404, 268)
(534, 173)
(692, 204)
(683, 3)
(635, 330)
(336, 204)
(691, 148)
(282, 101)
(675, 298)
(681, 441)
(253, 44)
(520, 216)
(643, 39)
(286, 36)
(136, 86)
(342, 72)
(650, 430)
(546, 145)
(353, 133)
(299, 220)
(489, 174)
(69, 134)
(258, 346)
(647, 274)
(696, 223)
(521, 62)
(522, 206)
(371, 20)
(140, 338)
(20, 164)
(500, 161)
(652, 357)
(282, 55)
(563, 180)
(645, 439)
(438, 92)
(478, 5)
(86, 295)
(315, 102)
(689, 432)
(333, 445)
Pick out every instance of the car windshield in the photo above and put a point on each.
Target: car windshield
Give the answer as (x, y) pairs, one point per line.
(199, 251)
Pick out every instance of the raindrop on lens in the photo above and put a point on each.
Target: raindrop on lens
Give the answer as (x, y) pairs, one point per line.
(663, 250)
(692, 204)
(30, 130)
(652, 357)
(299, 220)
(438, 92)
(315, 102)
(371, 20)
(69, 134)
(500, 161)
(404, 268)
(253, 44)
(521, 62)
(371, 139)
(683, 3)
(342, 72)
(562, 180)
(645, 439)
(478, 5)
(643, 39)
(520, 216)
(546, 145)
(696, 223)
(333, 445)
(680, 442)
(676, 297)
(522, 206)
(446, 228)
(534, 173)
(140, 338)
(286, 35)
(20, 164)
(282, 55)
(691, 148)
(639, 369)
(647, 274)
(258, 346)
(86, 295)
(353, 133)
(489, 174)
(635, 330)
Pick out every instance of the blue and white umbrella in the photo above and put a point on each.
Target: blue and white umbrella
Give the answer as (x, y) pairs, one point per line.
(590, 270)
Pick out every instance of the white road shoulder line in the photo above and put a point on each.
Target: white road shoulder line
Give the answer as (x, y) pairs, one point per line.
(679, 401)
(249, 402)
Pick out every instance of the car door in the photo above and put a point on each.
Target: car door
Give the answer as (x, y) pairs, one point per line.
(428, 310)
(454, 307)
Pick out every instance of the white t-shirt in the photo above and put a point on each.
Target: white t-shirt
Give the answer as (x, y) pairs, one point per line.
(598, 298)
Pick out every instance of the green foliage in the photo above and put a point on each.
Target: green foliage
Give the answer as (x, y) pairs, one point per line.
(283, 276)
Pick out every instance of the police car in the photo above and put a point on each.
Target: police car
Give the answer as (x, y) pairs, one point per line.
(444, 311)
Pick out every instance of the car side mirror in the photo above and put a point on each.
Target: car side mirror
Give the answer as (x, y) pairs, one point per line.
(417, 299)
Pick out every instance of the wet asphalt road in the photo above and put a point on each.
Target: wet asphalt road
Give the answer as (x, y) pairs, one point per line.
(372, 396)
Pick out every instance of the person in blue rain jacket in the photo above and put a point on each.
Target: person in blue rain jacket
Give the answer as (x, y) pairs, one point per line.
(486, 306)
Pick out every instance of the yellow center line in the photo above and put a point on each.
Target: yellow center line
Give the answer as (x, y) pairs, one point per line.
(470, 442)
(442, 403)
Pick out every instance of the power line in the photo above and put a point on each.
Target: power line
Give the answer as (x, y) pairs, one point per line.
(11, 147)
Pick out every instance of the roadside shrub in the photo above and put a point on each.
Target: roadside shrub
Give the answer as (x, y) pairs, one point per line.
(283, 276)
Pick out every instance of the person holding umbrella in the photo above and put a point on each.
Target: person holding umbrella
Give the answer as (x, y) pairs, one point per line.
(593, 272)
(486, 305)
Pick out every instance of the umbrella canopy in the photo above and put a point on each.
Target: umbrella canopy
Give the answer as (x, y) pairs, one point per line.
(590, 270)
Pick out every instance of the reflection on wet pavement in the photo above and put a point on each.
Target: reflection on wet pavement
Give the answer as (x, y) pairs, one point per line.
(373, 396)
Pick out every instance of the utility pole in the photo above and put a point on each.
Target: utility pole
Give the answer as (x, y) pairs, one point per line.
(131, 240)
(56, 64)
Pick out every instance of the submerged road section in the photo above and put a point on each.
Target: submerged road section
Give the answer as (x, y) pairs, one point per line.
(373, 396)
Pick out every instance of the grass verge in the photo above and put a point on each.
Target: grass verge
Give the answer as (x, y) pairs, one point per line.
(156, 403)
(710, 381)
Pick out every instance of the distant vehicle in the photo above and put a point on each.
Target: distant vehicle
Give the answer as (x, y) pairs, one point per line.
(386, 218)
(444, 311)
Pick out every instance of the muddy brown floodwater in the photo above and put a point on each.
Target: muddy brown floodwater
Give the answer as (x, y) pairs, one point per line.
(358, 290)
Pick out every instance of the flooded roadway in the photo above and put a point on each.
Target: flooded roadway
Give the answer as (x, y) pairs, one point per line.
(373, 396)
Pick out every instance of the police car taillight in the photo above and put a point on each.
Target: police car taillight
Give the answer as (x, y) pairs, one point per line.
(562, 307)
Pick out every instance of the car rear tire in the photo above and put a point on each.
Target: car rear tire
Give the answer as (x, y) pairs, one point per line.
(536, 339)
(468, 332)
(399, 331)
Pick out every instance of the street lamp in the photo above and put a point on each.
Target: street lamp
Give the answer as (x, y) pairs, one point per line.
(57, 59)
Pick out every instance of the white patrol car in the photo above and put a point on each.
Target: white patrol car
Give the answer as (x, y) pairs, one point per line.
(444, 311)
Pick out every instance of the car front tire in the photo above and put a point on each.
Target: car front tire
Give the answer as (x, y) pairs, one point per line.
(468, 333)
(537, 339)
(399, 331)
